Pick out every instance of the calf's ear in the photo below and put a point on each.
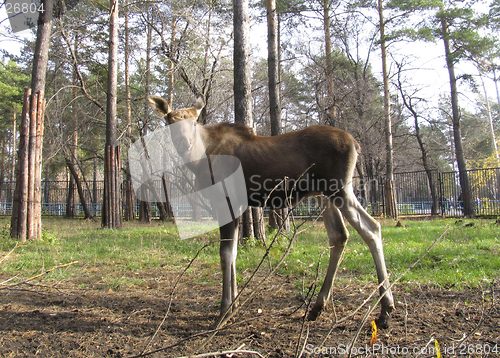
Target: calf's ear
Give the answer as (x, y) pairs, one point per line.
(199, 104)
(159, 105)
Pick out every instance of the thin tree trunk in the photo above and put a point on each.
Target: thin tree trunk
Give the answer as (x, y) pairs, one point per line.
(171, 77)
(242, 83)
(490, 120)
(390, 190)
(457, 130)
(20, 204)
(276, 217)
(168, 207)
(32, 161)
(273, 68)
(37, 224)
(330, 111)
(145, 206)
(70, 196)
(94, 187)
(13, 164)
(70, 202)
(112, 214)
(129, 192)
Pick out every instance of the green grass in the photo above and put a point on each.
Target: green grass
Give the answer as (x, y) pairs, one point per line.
(465, 257)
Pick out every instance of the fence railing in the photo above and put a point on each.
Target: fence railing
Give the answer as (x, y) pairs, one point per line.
(417, 193)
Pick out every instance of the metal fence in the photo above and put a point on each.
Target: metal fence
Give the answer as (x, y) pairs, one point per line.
(413, 190)
(416, 196)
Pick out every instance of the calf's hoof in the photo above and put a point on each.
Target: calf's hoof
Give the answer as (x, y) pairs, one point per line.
(384, 318)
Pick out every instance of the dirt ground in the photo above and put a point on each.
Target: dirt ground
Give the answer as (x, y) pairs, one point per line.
(84, 318)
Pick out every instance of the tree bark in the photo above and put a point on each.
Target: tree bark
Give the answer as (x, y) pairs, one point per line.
(42, 47)
(70, 202)
(129, 191)
(145, 206)
(242, 85)
(242, 76)
(457, 130)
(30, 226)
(171, 77)
(276, 217)
(390, 197)
(13, 164)
(330, 110)
(273, 68)
(20, 204)
(112, 215)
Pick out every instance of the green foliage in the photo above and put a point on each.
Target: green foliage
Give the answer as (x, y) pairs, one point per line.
(413, 5)
(13, 81)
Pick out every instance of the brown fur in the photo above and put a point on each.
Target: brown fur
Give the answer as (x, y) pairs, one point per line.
(327, 156)
(315, 160)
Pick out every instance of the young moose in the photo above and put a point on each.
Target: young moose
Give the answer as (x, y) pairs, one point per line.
(318, 160)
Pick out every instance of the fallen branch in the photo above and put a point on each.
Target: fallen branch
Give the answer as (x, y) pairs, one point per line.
(4, 287)
(13, 249)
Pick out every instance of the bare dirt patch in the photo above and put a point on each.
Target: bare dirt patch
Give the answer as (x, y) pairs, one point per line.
(95, 321)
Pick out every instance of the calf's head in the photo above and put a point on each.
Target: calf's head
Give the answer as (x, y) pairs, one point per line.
(184, 132)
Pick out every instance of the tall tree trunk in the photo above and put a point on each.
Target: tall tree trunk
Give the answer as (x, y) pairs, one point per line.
(13, 164)
(490, 119)
(26, 220)
(425, 162)
(242, 76)
(70, 202)
(330, 110)
(279, 217)
(94, 186)
(171, 77)
(112, 214)
(129, 190)
(2, 162)
(390, 190)
(273, 67)
(145, 206)
(74, 148)
(20, 204)
(495, 80)
(457, 130)
(242, 84)
(37, 89)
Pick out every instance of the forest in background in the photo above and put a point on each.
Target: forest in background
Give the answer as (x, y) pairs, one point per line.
(326, 76)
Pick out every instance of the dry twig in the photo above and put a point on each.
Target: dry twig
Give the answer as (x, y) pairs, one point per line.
(4, 287)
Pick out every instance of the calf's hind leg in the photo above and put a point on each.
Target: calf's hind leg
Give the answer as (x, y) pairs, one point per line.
(337, 238)
(369, 229)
